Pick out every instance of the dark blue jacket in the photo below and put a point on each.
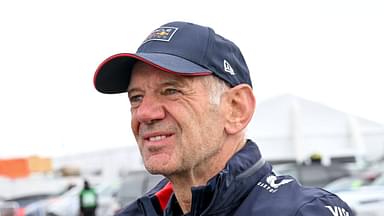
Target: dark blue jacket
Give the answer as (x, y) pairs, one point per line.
(245, 187)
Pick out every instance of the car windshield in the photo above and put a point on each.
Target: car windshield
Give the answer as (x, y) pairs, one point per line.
(345, 183)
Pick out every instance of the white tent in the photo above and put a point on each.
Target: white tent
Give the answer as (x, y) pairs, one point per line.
(291, 128)
(285, 128)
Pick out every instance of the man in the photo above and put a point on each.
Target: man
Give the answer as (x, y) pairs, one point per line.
(191, 100)
(88, 200)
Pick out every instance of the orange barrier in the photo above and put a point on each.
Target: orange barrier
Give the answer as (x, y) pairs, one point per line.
(38, 164)
(14, 168)
(23, 167)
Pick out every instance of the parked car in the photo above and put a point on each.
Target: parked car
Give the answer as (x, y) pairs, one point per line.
(68, 203)
(316, 175)
(28, 197)
(348, 183)
(366, 200)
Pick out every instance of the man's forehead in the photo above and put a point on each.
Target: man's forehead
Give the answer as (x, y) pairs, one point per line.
(145, 71)
(144, 74)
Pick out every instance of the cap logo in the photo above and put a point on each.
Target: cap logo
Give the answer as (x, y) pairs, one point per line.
(228, 68)
(162, 34)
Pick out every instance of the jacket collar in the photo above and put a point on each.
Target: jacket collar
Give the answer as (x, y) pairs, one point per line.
(224, 192)
(233, 183)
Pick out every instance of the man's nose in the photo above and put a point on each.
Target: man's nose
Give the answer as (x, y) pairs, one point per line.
(149, 110)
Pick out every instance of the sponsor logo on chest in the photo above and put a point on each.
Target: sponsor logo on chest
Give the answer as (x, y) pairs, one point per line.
(272, 184)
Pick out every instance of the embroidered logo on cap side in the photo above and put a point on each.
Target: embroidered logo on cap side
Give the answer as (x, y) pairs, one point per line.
(162, 34)
(228, 68)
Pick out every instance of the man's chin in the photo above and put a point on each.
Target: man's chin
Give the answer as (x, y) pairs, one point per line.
(159, 164)
(159, 169)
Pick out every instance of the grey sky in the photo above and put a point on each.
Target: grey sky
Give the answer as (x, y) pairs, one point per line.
(327, 51)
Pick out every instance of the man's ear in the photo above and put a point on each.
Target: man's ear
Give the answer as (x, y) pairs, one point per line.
(241, 103)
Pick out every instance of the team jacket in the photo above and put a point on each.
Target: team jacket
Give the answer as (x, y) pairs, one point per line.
(246, 186)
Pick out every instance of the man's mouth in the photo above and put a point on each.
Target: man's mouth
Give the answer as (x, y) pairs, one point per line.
(157, 138)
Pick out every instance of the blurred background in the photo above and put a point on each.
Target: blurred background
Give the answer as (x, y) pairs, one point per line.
(316, 68)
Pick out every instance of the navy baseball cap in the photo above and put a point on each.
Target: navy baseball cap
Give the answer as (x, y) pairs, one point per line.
(180, 48)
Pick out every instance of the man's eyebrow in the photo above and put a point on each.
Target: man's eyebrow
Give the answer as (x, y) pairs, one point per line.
(173, 82)
(130, 90)
(177, 82)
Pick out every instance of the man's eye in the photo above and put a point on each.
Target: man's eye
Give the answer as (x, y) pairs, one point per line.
(135, 98)
(170, 91)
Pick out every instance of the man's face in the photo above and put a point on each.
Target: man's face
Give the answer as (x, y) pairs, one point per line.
(174, 123)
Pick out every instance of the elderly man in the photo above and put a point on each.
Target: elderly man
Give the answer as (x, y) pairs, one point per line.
(191, 100)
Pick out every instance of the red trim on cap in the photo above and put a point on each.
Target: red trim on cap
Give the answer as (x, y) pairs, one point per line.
(164, 195)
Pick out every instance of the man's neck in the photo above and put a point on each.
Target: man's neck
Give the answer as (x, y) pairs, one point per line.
(200, 175)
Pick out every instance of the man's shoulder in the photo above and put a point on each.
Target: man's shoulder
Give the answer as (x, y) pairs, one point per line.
(328, 204)
(283, 195)
(317, 201)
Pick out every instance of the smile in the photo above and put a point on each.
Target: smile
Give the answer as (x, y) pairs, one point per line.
(157, 138)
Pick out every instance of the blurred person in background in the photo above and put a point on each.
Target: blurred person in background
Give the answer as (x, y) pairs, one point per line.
(191, 100)
(88, 200)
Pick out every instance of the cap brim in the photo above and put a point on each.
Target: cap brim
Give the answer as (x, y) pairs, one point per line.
(113, 74)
